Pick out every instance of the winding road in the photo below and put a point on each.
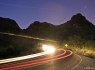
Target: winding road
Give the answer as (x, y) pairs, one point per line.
(65, 63)
(62, 59)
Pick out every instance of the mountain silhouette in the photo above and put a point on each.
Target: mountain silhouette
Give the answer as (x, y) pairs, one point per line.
(78, 25)
(8, 25)
(42, 30)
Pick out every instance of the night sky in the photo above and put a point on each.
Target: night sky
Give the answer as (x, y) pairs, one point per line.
(25, 12)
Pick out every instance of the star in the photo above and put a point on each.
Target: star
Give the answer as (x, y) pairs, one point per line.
(85, 6)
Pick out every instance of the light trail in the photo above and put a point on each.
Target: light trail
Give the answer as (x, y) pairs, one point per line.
(37, 61)
(27, 36)
(23, 57)
(33, 61)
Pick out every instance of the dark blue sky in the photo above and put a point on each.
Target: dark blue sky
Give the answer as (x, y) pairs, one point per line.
(25, 12)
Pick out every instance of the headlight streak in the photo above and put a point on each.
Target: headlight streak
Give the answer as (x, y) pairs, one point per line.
(48, 49)
(38, 61)
(41, 59)
(23, 57)
(9, 66)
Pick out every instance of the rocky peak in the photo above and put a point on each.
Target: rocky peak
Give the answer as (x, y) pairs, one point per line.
(78, 16)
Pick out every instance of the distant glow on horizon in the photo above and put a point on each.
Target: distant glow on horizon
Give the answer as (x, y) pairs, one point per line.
(55, 12)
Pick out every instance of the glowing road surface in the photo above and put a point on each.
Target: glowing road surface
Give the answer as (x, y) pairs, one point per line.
(32, 62)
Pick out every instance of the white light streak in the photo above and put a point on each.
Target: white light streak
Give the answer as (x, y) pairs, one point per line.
(23, 57)
(48, 49)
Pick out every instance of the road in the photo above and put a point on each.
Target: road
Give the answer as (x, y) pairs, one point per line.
(73, 62)
(60, 54)
(63, 61)
(68, 63)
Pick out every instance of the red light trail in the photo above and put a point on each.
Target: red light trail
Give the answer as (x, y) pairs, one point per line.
(15, 65)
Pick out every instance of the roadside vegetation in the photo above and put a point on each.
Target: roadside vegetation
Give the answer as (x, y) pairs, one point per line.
(80, 46)
(11, 46)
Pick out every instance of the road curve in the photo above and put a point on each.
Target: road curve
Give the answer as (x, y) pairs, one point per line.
(68, 63)
(63, 64)
(33, 63)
